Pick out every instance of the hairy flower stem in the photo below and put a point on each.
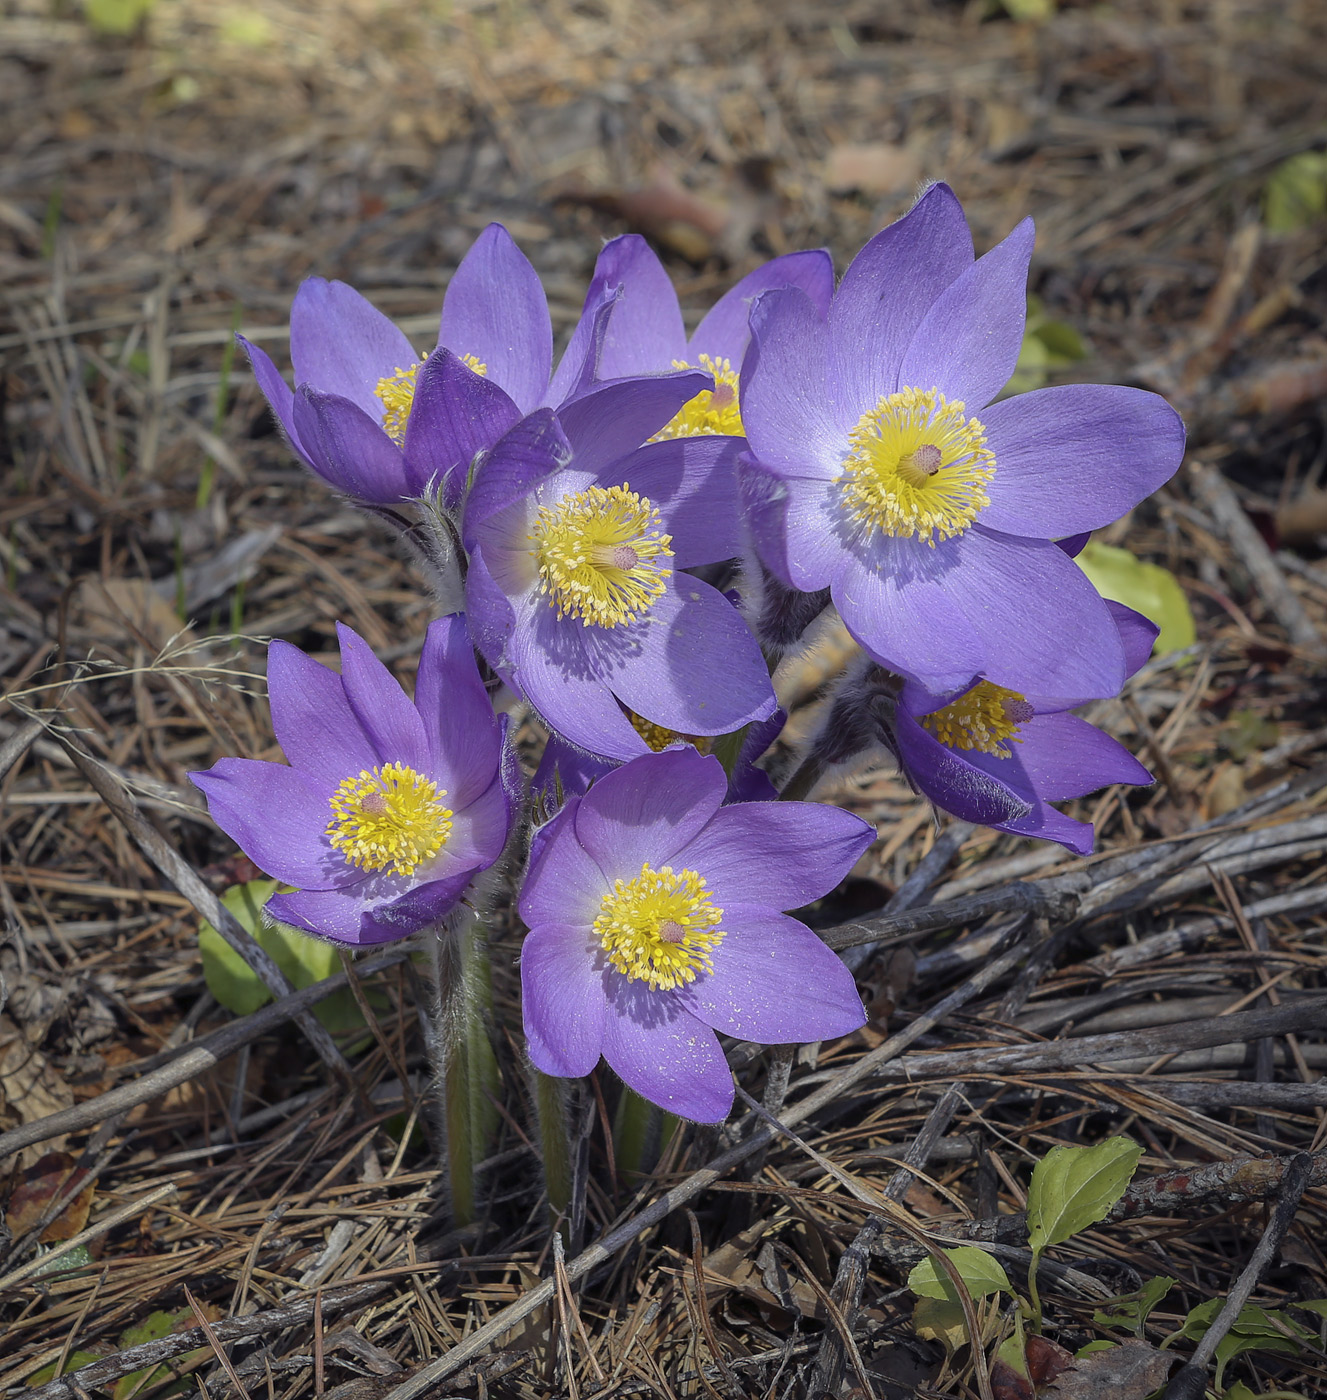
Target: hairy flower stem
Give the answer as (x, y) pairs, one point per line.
(556, 1149)
(468, 1074)
(635, 1133)
(804, 778)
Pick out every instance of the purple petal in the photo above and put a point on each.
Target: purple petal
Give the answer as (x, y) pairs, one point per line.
(454, 415)
(659, 1049)
(787, 412)
(968, 342)
(565, 771)
(779, 855)
(348, 448)
(887, 292)
(725, 330)
(480, 828)
(342, 344)
(562, 999)
(531, 451)
(645, 332)
(1074, 545)
(457, 715)
(358, 915)
(1066, 757)
(957, 785)
(1046, 824)
(1138, 635)
(693, 482)
(612, 419)
(491, 617)
(495, 310)
(774, 981)
(689, 664)
(1077, 456)
(579, 364)
(277, 816)
(795, 524)
(278, 393)
(386, 716)
(314, 724)
(648, 809)
(564, 885)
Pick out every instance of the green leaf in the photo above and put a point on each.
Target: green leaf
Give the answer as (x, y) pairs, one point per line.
(1074, 1187)
(981, 1274)
(1317, 1305)
(73, 1362)
(116, 16)
(1295, 196)
(76, 1258)
(1100, 1344)
(1146, 588)
(940, 1320)
(303, 959)
(1030, 11)
(1132, 1309)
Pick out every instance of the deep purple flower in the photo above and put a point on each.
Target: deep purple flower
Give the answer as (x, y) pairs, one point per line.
(389, 809)
(994, 756)
(869, 472)
(574, 590)
(382, 423)
(655, 917)
(645, 334)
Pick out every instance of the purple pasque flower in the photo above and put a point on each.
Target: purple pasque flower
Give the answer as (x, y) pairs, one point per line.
(381, 422)
(574, 590)
(871, 474)
(645, 334)
(994, 756)
(389, 808)
(655, 917)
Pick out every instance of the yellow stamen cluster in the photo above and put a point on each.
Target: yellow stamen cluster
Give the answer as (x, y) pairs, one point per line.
(660, 927)
(658, 738)
(389, 819)
(713, 412)
(600, 554)
(987, 718)
(917, 468)
(396, 392)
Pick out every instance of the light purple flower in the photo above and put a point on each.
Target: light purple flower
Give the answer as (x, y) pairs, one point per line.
(388, 809)
(575, 593)
(655, 917)
(382, 423)
(871, 474)
(994, 756)
(645, 334)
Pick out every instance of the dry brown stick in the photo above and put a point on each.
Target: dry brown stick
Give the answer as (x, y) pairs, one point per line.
(18, 743)
(178, 871)
(1243, 537)
(187, 1063)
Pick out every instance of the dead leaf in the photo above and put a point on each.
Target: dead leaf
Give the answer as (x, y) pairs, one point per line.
(877, 168)
(30, 1087)
(126, 609)
(42, 1183)
(1007, 1384)
(666, 211)
(1126, 1372)
(1045, 1359)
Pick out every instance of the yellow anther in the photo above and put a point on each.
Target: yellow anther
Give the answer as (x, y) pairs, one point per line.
(660, 927)
(389, 819)
(601, 555)
(917, 468)
(986, 718)
(396, 392)
(713, 412)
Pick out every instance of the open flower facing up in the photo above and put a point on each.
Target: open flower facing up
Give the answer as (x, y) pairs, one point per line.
(388, 809)
(870, 472)
(997, 757)
(382, 423)
(574, 590)
(656, 919)
(645, 334)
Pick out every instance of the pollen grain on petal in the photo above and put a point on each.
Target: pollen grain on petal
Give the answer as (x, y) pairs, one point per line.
(390, 818)
(917, 468)
(660, 927)
(602, 555)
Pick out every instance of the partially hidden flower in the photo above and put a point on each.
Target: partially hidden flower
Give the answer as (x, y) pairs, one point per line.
(880, 468)
(656, 920)
(644, 332)
(383, 423)
(575, 590)
(389, 809)
(999, 757)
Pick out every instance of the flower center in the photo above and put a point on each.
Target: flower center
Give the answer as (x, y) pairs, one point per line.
(660, 927)
(916, 468)
(396, 392)
(713, 412)
(392, 818)
(600, 554)
(986, 718)
(658, 738)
